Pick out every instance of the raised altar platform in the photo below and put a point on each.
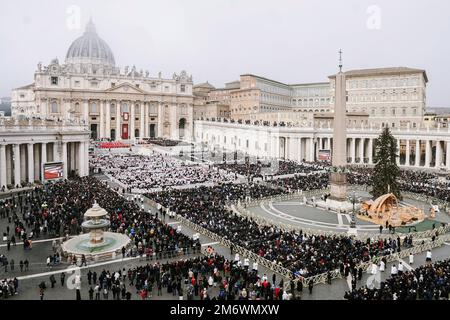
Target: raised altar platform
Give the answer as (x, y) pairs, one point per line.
(337, 206)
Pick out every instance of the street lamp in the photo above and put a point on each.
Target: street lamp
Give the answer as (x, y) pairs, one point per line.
(353, 200)
(203, 150)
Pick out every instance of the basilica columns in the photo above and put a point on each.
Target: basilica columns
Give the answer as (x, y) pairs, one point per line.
(299, 150)
(102, 120)
(160, 119)
(407, 153)
(311, 149)
(361, 150)
(8, 152)
(23, 162)
(43, 158)
(72, 155)
(108, 120)
(17, 164)
(417, 154)
(64, 158)
(370, 153)
(137, 109)
(438, 161)
(427, 153)
(286, 147)
(398, 150)
(142, 123)
(147, 134)
(30, 161)
(36, 162)
(81, 159)
(352, 150)
(86, 157)
(118, 129)
(2, 166)
(132, 119)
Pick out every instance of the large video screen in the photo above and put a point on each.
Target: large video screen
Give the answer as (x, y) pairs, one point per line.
(53, 170)
(324, 155)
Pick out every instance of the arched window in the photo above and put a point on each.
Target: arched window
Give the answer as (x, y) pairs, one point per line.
(77, 107)
(113, 109)
(125, 108)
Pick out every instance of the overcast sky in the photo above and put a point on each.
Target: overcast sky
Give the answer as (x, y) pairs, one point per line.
(291, 41)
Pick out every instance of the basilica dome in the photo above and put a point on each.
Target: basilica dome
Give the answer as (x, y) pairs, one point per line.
(90, 49)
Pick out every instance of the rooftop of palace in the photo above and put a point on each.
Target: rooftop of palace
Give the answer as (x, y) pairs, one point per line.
(382, 72)
(285, 84)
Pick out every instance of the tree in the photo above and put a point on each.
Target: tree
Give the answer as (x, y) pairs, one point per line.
(386, 170)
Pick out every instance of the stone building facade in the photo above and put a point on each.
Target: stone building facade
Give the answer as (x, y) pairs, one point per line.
(116, 104)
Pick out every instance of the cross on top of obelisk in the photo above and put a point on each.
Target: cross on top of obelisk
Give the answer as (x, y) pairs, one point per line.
(340, 60)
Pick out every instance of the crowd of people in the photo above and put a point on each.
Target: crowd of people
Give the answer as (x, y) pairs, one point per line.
(427, 282)
(301, 253)
(145, 172)
(165, 142)
(206, 277)
(266, 168)
(8, 287)
(420, 182)
(311, 181)
(58, 209)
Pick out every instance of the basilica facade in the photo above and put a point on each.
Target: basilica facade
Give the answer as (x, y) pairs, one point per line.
(116, 104)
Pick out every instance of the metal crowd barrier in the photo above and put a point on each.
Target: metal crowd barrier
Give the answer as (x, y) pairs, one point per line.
(336, 274)
(287, 274)
(265, 221)
(236, 207)
(241, 208)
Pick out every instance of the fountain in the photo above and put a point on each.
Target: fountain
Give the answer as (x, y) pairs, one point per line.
(97, 244)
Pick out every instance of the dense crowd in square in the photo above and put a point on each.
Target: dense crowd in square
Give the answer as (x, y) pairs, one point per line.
(146, 172)
(303, 254)
(427, 282)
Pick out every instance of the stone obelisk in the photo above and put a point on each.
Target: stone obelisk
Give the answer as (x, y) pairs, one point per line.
(338, 180)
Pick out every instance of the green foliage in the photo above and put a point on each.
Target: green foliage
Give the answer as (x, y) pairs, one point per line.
(386, 170)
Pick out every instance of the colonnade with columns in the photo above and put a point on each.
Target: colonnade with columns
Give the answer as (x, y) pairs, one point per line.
(416, 148)
(413, 152)
(126, 116)
(25, 146)
(138, 120)
(23, 162)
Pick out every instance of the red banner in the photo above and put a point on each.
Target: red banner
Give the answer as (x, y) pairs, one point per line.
(125, 131)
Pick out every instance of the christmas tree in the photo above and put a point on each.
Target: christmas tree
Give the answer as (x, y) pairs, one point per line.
(386, 169)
